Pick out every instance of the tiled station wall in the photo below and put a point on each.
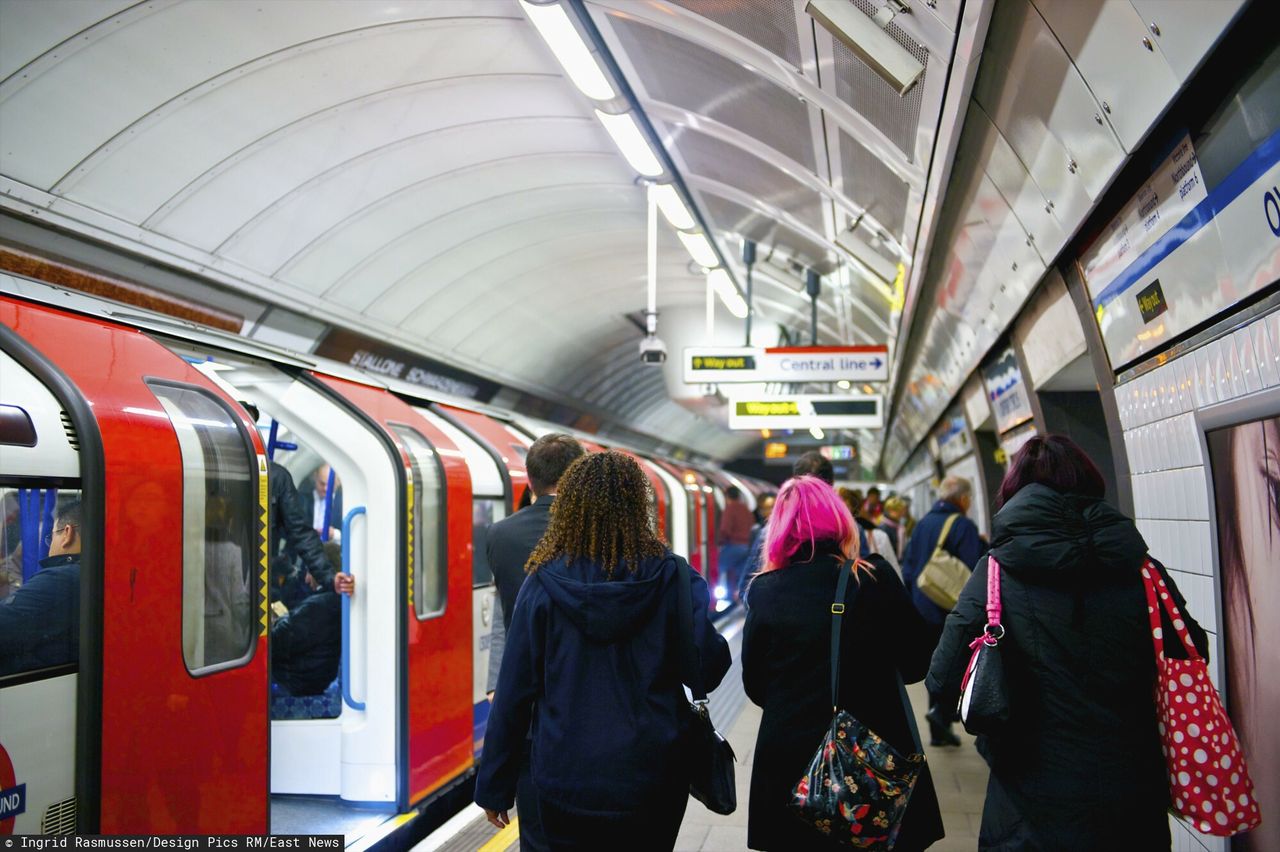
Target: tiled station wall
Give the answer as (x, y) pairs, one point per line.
(1171, 478)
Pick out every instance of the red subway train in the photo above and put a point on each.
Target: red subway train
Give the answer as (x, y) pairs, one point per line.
(166, 718)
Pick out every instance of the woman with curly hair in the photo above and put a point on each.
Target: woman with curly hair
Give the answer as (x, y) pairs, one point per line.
(593, 662)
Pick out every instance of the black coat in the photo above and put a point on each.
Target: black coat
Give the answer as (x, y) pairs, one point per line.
(306, 644)
(786, 669)
(40, 625)
(595, 664)
(1079, 764)
(508, 546)
(292, 536)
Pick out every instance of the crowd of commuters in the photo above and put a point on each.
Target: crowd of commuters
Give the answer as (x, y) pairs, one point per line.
(588, 731)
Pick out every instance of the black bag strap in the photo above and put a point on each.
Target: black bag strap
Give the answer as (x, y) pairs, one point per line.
(690, 656)
(837, 616)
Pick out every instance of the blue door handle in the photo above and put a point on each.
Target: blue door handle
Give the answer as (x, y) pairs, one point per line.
(346, 611)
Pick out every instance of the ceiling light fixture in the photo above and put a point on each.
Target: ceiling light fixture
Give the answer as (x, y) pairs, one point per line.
(843, 384)
(673, 207)
(699, 248)
(817, 433)
(631, 142)
(553, 24)
(719, 281)
(864, 36)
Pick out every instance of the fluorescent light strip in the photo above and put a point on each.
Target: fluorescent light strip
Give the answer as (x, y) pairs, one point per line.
(817, 433)
(631, 142)
(719, 281)
(672, 207)
(553, 24)
(699, 248)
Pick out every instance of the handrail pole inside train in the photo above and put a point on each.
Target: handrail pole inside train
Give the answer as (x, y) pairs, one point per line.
(346, 604)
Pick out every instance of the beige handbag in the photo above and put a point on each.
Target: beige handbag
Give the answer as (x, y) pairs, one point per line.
(943, 576)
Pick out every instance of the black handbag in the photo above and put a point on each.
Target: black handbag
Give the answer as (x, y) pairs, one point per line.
(984, 698)
(857, 786)
(710, 757)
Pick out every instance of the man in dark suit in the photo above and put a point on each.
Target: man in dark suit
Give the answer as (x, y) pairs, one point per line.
(510, 542)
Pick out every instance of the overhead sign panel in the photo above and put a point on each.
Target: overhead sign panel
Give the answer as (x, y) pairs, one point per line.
(804, 411)
(726, 365)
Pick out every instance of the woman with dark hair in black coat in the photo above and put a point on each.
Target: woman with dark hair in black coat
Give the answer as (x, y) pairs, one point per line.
(1079, 764)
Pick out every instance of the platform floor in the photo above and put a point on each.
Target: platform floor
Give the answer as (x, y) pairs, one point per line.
(959, 774)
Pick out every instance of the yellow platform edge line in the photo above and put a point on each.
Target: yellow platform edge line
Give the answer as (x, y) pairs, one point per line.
(500, 841)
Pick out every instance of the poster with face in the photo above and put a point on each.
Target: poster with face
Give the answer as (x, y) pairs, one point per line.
(1246, 482)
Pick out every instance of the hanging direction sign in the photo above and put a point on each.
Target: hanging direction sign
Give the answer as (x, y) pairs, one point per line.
(804, 411)
(726, 365)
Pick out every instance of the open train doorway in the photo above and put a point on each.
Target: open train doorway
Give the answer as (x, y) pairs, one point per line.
(335, 713)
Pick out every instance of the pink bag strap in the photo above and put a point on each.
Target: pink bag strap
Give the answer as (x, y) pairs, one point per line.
(994, 630)
(1159, 598)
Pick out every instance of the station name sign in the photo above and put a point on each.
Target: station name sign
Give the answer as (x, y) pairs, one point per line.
(726, 365)
(857, 411)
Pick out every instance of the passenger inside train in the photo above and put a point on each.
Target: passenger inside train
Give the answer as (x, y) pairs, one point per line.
(793, 426)
(40, 618)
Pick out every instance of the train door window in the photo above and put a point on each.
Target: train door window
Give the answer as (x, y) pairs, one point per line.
(40, 541)
(219, 529)
(430, 577)
(485, 513)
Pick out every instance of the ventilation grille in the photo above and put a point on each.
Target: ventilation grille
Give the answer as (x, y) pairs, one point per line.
(70, 429)
(679, 72)
(870, 183)
(867, 92)
(60, 817)
(769, 23)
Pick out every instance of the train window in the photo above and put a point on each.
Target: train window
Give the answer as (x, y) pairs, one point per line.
(40, 542)
(219, 529)
(484, 514)
(430, 566)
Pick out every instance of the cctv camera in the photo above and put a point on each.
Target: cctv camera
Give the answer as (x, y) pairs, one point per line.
(652, 351)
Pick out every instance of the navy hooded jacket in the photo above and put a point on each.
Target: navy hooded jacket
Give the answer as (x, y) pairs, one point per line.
(594, 664)
(963, 542)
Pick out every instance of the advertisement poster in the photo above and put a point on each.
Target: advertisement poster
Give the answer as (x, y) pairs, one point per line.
(1246, 486)
(1007, 392)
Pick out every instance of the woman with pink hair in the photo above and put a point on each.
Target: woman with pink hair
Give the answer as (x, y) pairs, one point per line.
(786, 662)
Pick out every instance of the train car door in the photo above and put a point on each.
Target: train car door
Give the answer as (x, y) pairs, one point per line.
(490, 503)
(433, 609)
(178, 665)
(334, 753)
(677, 509)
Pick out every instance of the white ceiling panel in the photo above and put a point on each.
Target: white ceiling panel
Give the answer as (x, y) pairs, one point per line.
(33, 25)
(349, 210)
(65, 105)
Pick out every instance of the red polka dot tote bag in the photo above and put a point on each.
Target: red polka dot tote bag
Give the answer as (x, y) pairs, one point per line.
(1208, 780)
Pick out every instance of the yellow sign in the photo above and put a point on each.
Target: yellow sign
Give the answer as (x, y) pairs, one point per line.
(775, 450)
(766, 408)
(714, 362)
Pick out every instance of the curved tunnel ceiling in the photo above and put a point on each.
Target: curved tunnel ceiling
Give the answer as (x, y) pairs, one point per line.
(421, 171)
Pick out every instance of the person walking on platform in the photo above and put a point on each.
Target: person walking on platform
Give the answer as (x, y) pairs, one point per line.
(1078, 765)
(509, 544)
(593, 660)
(735, 536)
(943, 527)
(755, 551)
(786, 663)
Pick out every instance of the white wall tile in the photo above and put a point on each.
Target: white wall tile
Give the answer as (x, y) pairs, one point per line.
(1196, 490)
(1268, 357)
(1243, 343)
